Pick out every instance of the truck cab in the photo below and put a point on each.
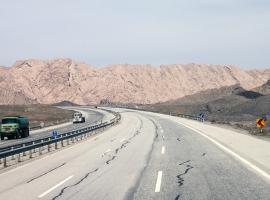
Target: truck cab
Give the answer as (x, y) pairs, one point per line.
(14, 127)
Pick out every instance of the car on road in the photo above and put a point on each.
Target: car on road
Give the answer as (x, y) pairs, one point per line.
(14, 127)
(78, 118)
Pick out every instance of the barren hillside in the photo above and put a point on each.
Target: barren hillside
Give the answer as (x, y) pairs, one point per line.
(52, 81)
(230, 105)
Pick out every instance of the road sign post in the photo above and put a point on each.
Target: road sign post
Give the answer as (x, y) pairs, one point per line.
(201, 117)
(42, 124)
(54, 134)
(260, 122)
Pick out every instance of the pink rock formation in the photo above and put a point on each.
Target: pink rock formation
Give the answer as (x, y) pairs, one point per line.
(39, 81)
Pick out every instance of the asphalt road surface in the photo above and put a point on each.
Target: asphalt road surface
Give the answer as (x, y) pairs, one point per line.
(91, 116)
(146, 156)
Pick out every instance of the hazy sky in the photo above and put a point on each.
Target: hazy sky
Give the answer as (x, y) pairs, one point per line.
(103, 32)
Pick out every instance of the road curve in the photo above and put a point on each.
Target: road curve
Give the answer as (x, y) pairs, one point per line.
(146, 156)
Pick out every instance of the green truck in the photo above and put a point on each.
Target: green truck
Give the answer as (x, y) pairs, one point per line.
(14, 127)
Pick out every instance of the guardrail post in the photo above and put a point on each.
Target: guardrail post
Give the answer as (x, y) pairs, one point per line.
(1, 161)
(5, 162)
(49, 147)
(30, 154)
(55, 145)
(62, 143)
(24, 153)
(12, 157)
(40, 151)
(19, 157)
(34, 151)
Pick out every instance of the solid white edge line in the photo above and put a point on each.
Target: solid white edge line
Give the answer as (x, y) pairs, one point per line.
(158, 184)
(254, 167)
(163, 150)
(54, 187)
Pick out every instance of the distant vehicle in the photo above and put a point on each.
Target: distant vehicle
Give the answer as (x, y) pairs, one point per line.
(78, 118)
(14, 127)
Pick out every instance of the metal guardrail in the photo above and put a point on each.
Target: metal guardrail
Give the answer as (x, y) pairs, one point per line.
(35, 127)
(47, 141)
(194, 117)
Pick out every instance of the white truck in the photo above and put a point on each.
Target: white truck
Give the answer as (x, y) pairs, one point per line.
(78, 118)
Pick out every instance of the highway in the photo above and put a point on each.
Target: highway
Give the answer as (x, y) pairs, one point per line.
(91, 116)
(147, 156)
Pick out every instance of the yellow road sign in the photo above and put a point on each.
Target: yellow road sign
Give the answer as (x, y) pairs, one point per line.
(260, 122)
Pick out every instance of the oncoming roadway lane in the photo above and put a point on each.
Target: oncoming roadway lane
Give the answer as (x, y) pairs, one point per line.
(92, 116)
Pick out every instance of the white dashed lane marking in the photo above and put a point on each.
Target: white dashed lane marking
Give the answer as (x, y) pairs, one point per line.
(163, 150)
(159, 179)
(54, 187)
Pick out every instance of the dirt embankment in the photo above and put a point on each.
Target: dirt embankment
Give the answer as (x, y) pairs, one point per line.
(232, 106)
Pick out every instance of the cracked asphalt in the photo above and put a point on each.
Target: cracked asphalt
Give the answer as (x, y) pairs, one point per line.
(143, 157)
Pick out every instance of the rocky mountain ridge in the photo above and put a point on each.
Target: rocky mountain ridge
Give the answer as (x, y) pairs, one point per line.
(52, 81)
